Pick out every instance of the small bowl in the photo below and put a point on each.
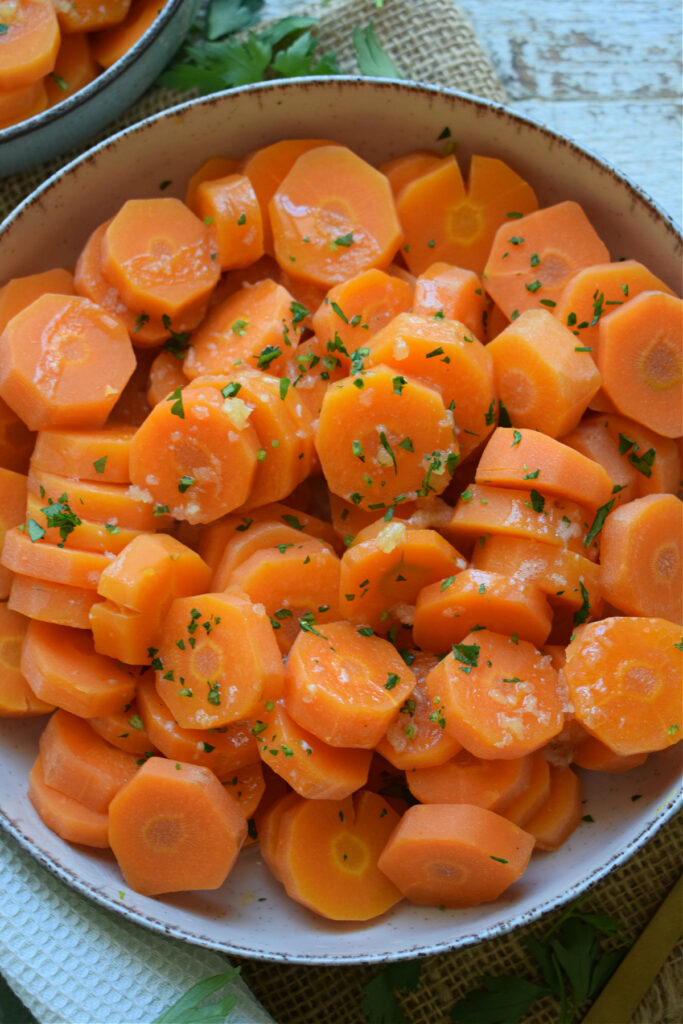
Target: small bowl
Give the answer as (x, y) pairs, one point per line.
(250, 915)
(80, 116)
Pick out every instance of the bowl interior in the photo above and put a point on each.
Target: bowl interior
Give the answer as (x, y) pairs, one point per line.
(250, 914)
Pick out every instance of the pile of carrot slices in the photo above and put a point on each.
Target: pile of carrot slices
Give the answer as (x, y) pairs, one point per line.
(339, 513)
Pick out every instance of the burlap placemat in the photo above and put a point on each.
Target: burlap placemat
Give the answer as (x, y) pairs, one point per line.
(438, 46)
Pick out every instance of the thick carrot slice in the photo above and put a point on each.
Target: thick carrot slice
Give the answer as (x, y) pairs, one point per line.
(223, 750)
(143, 329)
(217, 660)
(241, 546)
(537, 790)
(63, 362)
(17, 699)
(333, 216)
(447, 610)
(408, 167)
(74, 67)
(443, 290)
(230, 207)
(512, 457)
(414, 740)
(596, 441)
(19, 104)
(110, 44)
(386, 568)
(327, 856)
(153, 567)
(266, 168)
(100, 455)
(594, 755)
(158, 255)
(484, 511)
(455, 855)
(52, 602)
(29, 42)
(498, 695)
(62, 668)
(79, 763)
(175, 827)
(423, 206)
(20, 292)
(656, 459)
(253, 326)
(544, 379)
(294, 582)
(560, 574)
(51, 562)
(384, 438)
(466, 779)
(532, 259)
(246, 785)
(268, 825)
(640, 357)
(123, 634)
(125, 729)
(310, 368)
(442, 354)
(313, 768)
(90, 15)
(196, 454)
(354, 310)
(12, 508)
(641, 555)
(16, 440)
(70, 819)
(165, 375)
(113, 505)
(214, 167)
(640, 711)
(345, 686)
(556, 819)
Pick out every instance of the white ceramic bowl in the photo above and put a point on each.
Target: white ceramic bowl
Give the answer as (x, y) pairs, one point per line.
(80, 116)
(250, 915)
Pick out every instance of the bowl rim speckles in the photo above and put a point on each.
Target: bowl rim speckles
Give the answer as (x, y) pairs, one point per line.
(249, 916)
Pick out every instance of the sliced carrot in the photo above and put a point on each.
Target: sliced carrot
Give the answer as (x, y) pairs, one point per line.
(333, 216)
(110, 44)
(175, 827)
(641, 557)
(414, 740)
(512, 457)
(355, 309)
(214, 167)
(408, 167)
(294, 582)
(20, 292)
(223, 750)
(532, 259)
(79, 763)
(386, 568)
(62, 668)
(594, 755)
(51, 562)
(327, 856)
(442, 354)
(444, 290)
(12, 509)
(640, 357)
(311, 368)
(423, 206)
(121, 633)
(560, 815)
(63, 362)
(345, 686)
(196, 454)
(165, 375)
(594, 439)
(29, 43)
(88, 454)
(230, 207)
(561, 574)
(455, 855)
(381, 441)
(498, 695)
(246, 786)
(656, 459)
(313, 768)
(217, 660)
(19, 104)
(90, 15)
(70, 819)
(253, 326)
(544, 379)
(151, 567)
(115, 505)
(17, 699)
(158, 255)
(16, 440)
(484, 511)
(466, 779)
(640, 711)
(256, 537)
(268, 825)
(536, 792)
(125, 729)
(74, 68)
(447, 610)
(52, 602)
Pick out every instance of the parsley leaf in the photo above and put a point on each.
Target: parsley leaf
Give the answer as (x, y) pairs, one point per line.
(372, 60)
(226, 16)
(379, 1003)
(503, 1000)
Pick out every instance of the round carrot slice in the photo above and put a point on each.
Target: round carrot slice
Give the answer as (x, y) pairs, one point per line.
(640, 710)
(67, 817)
(20, 292)
(52, 602)
(100, 455)
(17, 699)
(74, 67)
(214, 167)
(125, 729)
(20, 104)
(451, 292)
(51, 562)
(466, 779)
(229, 205)
(29, 42)
(333, 216)
(12, 510)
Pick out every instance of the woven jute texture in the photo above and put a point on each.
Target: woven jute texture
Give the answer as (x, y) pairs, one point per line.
(432, 41)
